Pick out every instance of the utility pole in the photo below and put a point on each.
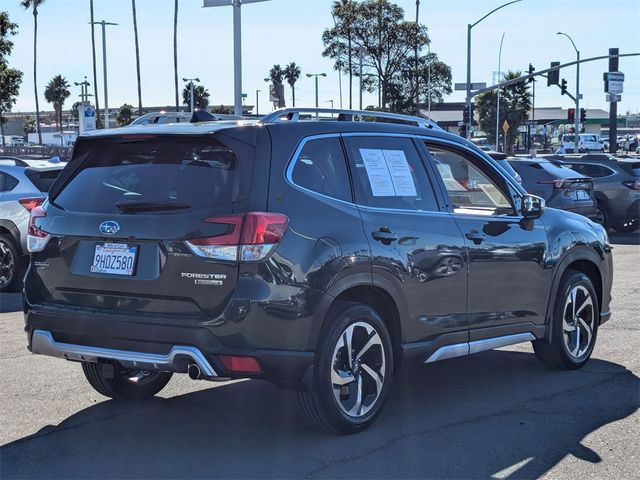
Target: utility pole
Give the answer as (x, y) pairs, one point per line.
(104, 68)
(613, 106)
(258, 102)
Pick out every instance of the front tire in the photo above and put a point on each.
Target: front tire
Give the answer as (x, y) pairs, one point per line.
(115, 381)
(353, 371)
(626, 227)
(575, 324)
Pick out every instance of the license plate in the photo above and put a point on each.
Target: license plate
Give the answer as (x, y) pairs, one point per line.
(582, 195)
(114, 259)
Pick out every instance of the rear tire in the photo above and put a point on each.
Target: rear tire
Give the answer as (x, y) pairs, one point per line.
(576, 315)
(626, 227)
(11, 265)
(602, 216)
(353, 371)
(115, 381)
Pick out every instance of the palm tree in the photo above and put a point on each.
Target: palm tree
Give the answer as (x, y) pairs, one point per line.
(56, 92)
(124, 115)
(95, 73)
(135, 34)
(200, 94)
(292, 74)
(34, 4)
(175, 52)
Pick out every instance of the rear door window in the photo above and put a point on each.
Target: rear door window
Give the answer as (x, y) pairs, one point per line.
(163, 173)
(388, 173)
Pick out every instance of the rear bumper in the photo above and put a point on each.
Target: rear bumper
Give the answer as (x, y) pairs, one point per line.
(77, 336)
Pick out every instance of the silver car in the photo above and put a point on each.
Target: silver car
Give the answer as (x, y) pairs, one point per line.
(22, 188)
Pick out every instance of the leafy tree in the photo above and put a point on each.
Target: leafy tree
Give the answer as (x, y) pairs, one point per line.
(33, 5)
(56, 92)
(402, 89)
(75, 111)
(292, 74)
(222, 109)
(515, 104)
(29, 125)
(135, 35)
(386, 41)
(124, 115)
(10, 78)
(340, 45)
(200, 94)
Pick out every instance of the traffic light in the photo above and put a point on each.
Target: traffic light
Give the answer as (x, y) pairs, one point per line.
(465, 116)
(563, 86)
(531, 70)
(571, 115)
(554, 75)
(583, 115)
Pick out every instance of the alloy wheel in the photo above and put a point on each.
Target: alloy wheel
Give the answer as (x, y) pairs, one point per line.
(7, 265)
(578, 321)
(358, 369)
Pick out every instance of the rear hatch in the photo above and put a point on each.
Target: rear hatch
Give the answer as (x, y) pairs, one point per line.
(550, 180)
(123, 222)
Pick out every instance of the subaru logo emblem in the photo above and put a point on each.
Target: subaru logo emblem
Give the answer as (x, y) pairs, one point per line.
(109, 227)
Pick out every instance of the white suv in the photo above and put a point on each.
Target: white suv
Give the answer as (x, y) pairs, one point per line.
(587, 142)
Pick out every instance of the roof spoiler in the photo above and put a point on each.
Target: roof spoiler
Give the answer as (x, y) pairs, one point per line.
(202, 116)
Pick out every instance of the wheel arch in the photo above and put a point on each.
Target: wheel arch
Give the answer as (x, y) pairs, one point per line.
(379, 295)
(7, 227)
(581, 260)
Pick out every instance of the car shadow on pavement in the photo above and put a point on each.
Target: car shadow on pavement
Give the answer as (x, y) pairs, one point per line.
(10, 302)
(498, 412)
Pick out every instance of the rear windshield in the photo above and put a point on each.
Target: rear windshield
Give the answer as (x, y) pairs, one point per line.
(551, 170)
(159, 174)
(42, 180)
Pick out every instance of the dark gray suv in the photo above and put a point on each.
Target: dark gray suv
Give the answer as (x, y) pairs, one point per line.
(318, 255)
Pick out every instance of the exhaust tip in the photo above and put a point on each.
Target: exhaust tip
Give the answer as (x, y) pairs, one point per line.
(194, 371)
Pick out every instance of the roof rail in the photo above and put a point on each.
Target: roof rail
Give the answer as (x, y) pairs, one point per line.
(17, 161)
(345, 115)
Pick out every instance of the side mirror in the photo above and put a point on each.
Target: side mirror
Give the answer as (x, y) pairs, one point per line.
(532, 206)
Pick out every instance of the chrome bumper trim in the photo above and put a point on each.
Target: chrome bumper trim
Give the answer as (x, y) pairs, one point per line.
(469, 348)
(42, 343)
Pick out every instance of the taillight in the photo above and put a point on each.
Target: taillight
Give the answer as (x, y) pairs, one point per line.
(31, 203)
(560, 183)
(37, 238)
(249, 237)
(632, 184)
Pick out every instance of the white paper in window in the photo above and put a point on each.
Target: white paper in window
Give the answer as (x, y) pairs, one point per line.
(400, 173)
(377, 172)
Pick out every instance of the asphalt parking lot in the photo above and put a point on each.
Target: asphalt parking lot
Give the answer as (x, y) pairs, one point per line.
(498, 414)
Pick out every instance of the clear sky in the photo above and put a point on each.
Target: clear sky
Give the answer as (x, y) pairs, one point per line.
(281, 31)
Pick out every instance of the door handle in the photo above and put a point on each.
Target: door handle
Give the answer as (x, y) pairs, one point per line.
(384, 235)
(475, 236)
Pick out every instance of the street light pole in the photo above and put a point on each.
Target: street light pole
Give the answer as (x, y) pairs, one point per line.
(429, 83)
(416, 74)
(498, 96)
(577, 114)
(191, 91)
(257, 102)
(469, 27)
(237, 45)
(104, 68)
(316, 75)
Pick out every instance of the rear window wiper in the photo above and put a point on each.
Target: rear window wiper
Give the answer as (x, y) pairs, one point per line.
(150, 206)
